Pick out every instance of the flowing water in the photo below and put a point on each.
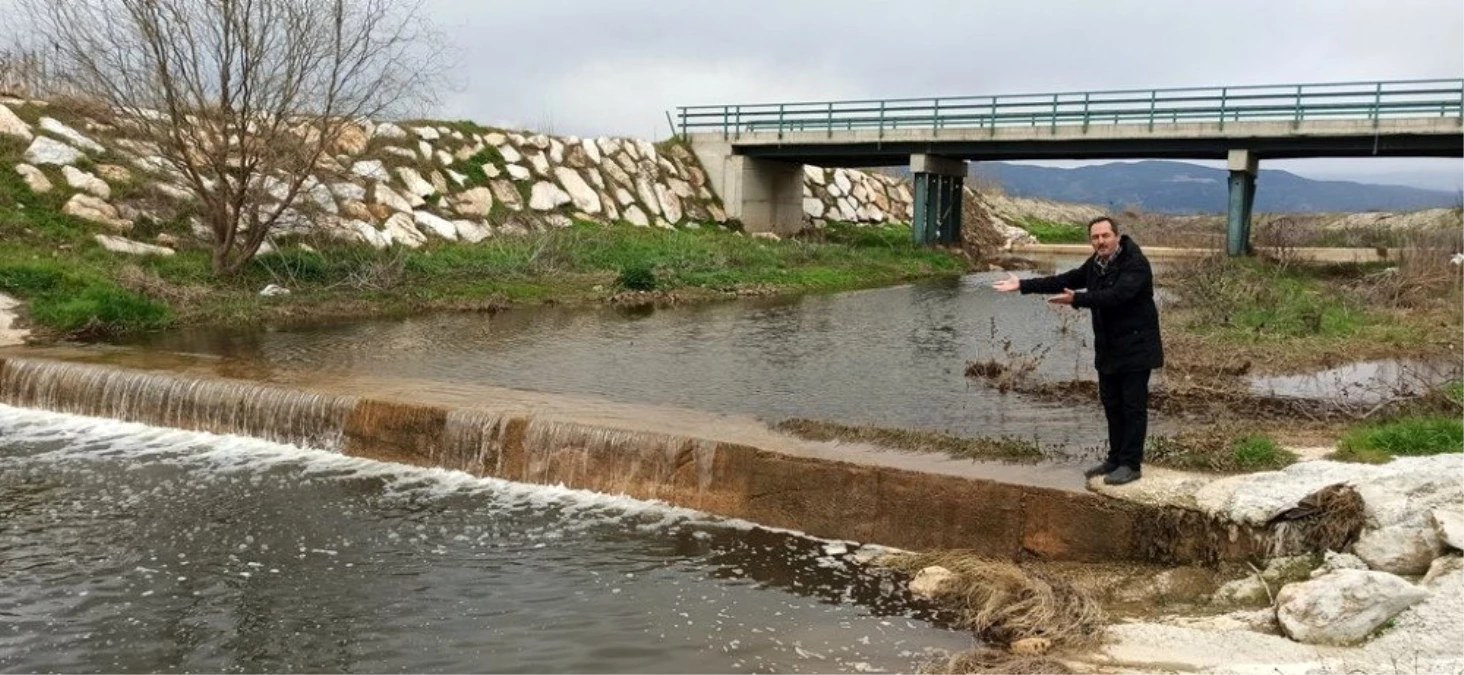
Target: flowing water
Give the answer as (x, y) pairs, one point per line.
(128, 548)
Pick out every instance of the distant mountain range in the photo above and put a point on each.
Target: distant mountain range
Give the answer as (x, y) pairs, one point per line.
(1180, 187)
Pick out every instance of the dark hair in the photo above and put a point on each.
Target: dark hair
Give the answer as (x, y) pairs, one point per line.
(1103, 219)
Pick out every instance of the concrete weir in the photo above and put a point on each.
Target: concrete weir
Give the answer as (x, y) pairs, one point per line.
(723, 465)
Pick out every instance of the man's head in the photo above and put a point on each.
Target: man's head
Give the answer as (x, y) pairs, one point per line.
(1103, 235)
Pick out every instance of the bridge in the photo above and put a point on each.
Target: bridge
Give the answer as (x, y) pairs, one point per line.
(754, 154)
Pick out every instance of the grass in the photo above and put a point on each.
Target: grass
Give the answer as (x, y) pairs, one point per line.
(73, 287)
(1378, 443)
(1049, 232)
(1003, 449)
(1217, 449)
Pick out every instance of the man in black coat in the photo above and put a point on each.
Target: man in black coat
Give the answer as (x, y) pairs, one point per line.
(1120, 292)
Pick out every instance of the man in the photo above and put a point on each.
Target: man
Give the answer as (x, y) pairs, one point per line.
(1120, 293)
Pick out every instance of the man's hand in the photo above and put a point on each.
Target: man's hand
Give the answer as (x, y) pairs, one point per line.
(1009, 284)
(1065, 299)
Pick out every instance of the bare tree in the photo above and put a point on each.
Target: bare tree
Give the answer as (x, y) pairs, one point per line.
(243, 99)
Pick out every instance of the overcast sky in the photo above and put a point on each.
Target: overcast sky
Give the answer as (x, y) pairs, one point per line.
(591, 67)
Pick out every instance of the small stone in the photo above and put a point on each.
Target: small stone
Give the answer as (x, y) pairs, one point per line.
(34, 178)
(929, 582)
(274, 290)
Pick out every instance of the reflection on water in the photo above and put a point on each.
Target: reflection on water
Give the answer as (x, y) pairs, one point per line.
(888, 357)
(1365, 382)
(125, 548)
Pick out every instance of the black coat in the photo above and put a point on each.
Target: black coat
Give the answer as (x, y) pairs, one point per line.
(1121, 297)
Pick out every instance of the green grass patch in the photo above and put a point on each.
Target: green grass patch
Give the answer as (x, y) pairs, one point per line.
(1003, 449)
(1048, 232)
(1217, 450)
(1405, 437)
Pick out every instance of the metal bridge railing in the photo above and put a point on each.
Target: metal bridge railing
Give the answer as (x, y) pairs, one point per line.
(1294, 103)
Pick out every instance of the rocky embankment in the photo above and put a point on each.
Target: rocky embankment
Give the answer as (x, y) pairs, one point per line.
(412, 183)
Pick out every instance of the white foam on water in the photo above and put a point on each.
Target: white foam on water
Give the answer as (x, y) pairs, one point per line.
(82, 438)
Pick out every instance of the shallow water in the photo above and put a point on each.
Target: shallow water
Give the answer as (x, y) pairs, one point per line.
(126, 548)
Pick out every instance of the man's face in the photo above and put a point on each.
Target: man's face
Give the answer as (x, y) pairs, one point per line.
(1104, 241)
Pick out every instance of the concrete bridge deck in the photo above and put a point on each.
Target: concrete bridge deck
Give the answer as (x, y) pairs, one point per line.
(753, 153)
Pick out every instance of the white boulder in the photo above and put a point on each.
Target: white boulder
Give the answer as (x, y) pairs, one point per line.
(34, 178)
(546, 196)
(430, 222)
(1449, 526)
(580, 192)
(1399, 549)
(477, 201)
(11, 125)
(128, 246)
(86, 182)
(76, 137)
(1343, 607)
(45, 150)
(399, 227)
(88, 207)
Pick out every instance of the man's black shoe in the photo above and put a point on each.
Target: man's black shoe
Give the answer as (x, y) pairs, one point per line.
(1100, 470)
(1122, 475)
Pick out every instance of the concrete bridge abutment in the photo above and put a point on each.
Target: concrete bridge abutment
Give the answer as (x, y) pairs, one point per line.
(764, 195)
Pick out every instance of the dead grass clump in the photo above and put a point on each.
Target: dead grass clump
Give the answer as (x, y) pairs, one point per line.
(1330, 519)
(1002, 603)
(149, 284)
(986, 660)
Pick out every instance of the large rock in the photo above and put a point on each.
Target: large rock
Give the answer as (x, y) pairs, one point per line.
(540, 164)
(45, 150)
(475, 202)
(34, 178)
(389, 130)
(371, 168)
(592, 151)
(670, 205)
(580, 192)
(813, 207)
(635, 216)
(88, 207)
(518, 172)
(389, 197)
(1343, 607)
(128, 246)
(87, 182)
(416, 185)
(75, 137)
(351, 139)
(646, 190)
(1449, 526)
(431, 222)
(369, 234)
(349, 192)
(11, 125)
(471, 232)
(547, 196)
(509, 154)
(507, 194)
(402, 231)
(1399, 549)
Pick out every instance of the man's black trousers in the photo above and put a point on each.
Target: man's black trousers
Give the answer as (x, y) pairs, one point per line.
(1125, 399)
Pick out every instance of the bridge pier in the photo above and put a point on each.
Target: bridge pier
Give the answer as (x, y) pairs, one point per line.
(939, 183)
(1243, 166)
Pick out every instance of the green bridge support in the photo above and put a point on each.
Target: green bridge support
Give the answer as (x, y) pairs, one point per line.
(1243, 167)
(939, 184)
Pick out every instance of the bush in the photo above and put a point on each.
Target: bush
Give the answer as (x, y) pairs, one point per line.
(100, 309)
(637, 277)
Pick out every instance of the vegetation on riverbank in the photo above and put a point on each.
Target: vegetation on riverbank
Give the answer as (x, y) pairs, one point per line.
(75, 288)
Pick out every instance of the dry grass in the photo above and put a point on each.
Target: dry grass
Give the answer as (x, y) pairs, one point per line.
(986, 660)
(1330, 519)
(1002, 603)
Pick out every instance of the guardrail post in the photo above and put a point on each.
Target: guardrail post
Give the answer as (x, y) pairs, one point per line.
(935, 119)
(1296, 121)
(725, 129)
(739, 122)
(780, 121)
(993, 116)
(1223, 92)
(1085, 111)
(831, 119)
(1054, 114)
(1377, 101)
(1153, 101)
(881, 119)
